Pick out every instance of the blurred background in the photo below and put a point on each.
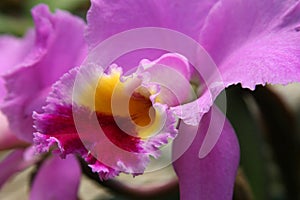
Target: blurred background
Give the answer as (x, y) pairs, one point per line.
(267, 122)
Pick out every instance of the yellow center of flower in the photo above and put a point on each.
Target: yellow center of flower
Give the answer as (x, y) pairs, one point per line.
(113, 97)
(140, 109)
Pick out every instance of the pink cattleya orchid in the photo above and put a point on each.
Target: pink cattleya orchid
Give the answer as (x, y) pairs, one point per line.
(29, 67)
(252, 43)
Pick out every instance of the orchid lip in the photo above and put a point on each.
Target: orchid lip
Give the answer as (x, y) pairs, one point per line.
(114, 122)
(134, 110)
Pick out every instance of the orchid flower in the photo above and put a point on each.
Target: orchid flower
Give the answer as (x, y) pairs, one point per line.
(29, 67)
(250, 42)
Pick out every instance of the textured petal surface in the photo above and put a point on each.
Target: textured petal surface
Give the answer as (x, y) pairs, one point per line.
(107, 18)
(258, 43)
(13, 163)
(59, 45)
(57, 179)
(273, 59)
(213, 176)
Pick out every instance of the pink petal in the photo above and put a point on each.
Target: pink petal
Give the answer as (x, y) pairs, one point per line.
(57, 179)
(13, 163)
(8, 139)
(213, 176)
(172, 60)
(167, 70)
(107, 18)
(59, 46)
(272, 59)
(258, 43)
(12, 52)
(231, 30)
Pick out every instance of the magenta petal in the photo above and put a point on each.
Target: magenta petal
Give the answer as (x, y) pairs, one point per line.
(225, 31)
(172, 60)
(59, 46)
(13, 163)
(12, 52)
(258, 43)
(273, 59)
(106, 17)
(168, 69)
(8, 139)
(57, 179)
(213, 176)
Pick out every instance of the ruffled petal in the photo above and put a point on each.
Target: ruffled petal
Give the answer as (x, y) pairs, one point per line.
(213, 176)
(225, 31)
(81, 117)
(57, 179)
(271, 59)
(12, 51)
(13, 163)
(256, 44)
(59, 46)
